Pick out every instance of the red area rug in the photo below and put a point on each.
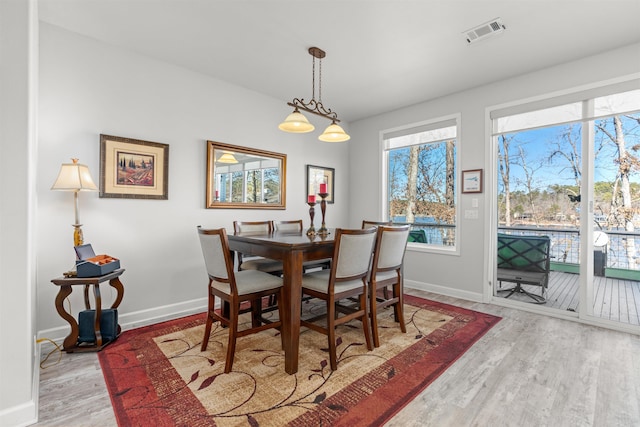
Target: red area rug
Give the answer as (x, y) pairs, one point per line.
(157, 375)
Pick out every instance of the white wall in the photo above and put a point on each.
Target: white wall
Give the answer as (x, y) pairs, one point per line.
(18, 101)
(88, 88)
(464, 275)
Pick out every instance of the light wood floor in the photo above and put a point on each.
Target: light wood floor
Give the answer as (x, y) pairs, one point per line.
(528, 370)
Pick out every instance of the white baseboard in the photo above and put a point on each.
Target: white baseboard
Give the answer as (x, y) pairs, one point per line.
(139, 318)
(443, 290)
(20, 415)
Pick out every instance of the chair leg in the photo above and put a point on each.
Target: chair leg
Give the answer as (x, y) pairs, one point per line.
(399, 308)
(256, 313)
(207, 329)
(280, 310)
(365, 319)
(331, 333)
(374, 315)
(233, 330)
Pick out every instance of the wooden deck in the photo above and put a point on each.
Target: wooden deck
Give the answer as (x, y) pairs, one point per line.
(615, 299)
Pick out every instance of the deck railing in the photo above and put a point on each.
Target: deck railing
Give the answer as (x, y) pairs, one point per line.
(614, 256)
(617, 257)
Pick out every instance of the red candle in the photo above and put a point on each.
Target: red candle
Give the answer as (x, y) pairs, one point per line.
(311, 198)
(323, 187)
(216, 194)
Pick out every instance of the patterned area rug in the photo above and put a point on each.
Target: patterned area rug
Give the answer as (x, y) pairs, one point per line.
(158, 376)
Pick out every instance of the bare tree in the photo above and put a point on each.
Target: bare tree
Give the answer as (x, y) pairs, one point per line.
(570, 155)
(412, 183)
(505, 170)
(529, 181)
(621, 205)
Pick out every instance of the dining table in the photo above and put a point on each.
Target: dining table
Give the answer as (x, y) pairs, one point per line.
(292, 249)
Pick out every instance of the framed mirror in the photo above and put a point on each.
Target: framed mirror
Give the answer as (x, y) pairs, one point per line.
(245, 178)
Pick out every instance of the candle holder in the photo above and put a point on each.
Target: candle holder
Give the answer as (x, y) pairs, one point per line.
(312, 212)
(323, 207)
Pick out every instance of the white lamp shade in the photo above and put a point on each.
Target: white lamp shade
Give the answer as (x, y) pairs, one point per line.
(74, 177)
(227, 158)
(334, 133)
(296, 122)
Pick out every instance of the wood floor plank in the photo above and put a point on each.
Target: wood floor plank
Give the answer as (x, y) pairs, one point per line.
(635, 318)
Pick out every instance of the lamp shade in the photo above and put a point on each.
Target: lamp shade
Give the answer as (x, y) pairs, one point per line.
(296, 122)
(334, 133)
(74, 177)
(227, 158)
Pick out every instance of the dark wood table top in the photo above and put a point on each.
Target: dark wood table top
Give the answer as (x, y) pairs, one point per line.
(285, 238)
(60, 281)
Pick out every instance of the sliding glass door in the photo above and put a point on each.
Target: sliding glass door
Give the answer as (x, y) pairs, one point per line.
(570, 171)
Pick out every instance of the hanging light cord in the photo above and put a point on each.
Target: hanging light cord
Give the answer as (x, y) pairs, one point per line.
(315, 106)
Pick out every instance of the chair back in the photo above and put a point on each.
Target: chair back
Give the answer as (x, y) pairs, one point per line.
(264, 227)
(217, 257)
(289, 226)
(525, 253)
(352, 254)
(367, 223)
(391, 243)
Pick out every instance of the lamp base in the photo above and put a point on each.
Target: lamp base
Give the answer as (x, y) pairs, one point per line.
(78, 238)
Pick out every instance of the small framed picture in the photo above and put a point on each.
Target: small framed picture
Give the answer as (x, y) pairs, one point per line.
(133, 169)
(472, 181)
(317, 175)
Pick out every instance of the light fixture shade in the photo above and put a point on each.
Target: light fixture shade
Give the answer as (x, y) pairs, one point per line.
(334, 133)
(296, 122)
(227, 158)
(74, 177)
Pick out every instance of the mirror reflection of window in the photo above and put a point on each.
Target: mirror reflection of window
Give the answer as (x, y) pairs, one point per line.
(240, 177)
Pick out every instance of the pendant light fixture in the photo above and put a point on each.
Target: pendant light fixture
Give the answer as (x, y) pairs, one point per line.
(296, 122)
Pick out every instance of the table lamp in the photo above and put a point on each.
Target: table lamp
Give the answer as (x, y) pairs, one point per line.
(75, 177)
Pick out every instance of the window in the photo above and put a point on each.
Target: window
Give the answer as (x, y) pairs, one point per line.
(540, 161)
(421, 180)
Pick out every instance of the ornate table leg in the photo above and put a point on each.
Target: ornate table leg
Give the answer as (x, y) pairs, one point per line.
(72, 339)
(96, 320)
(117, 285)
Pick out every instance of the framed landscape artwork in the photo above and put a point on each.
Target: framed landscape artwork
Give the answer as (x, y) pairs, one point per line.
(317, 175)
(133, 169)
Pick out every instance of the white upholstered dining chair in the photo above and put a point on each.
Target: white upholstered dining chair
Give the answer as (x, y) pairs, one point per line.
(386, 270)
(267, 265)
(234, 288)
(347, 278)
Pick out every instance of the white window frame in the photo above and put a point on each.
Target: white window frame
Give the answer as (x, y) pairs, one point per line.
(384, 158)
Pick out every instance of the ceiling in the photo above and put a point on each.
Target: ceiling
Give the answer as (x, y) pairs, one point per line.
(381, 54)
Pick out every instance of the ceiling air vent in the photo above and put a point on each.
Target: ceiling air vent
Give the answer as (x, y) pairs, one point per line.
(485, 30)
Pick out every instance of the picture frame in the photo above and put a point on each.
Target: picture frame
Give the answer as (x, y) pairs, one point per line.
(317, 175)
(133, 169)
(472, 181)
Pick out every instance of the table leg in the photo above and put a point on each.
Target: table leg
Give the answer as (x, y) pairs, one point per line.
(292, 289)
(96, 323)
(87, 304)
(72, 339)
(117, 285)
